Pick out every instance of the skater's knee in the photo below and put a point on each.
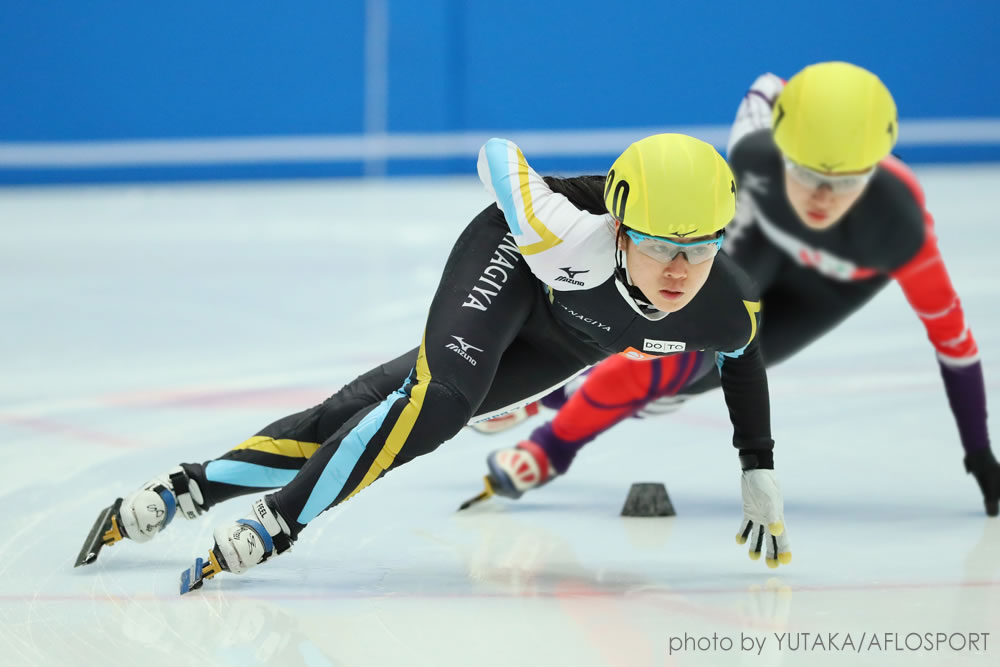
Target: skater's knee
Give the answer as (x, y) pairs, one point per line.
(448, 407)
(435, 413)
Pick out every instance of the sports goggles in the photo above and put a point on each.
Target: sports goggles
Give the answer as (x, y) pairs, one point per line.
(664, 250)
(839, 183)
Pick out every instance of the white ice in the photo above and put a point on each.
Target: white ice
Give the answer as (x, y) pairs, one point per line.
(146, 325)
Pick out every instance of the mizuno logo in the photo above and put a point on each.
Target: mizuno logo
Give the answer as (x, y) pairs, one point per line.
(570, 273)
(570, 276)
(466, 346)
(463, 351)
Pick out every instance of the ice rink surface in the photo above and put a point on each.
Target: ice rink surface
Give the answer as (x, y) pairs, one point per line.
(147, 325)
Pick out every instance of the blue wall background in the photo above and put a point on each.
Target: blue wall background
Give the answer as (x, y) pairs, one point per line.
(76, 76)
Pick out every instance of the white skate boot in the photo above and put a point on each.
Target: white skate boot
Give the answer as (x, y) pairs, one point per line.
(241, 545)
(147, 511)
(142, 514)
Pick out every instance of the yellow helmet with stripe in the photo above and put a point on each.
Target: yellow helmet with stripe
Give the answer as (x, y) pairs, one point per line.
(671, 185)
(835, 117)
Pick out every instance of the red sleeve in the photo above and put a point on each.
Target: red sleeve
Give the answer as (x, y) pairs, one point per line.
(928, 288)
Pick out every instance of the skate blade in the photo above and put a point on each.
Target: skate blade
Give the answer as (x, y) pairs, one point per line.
(194, 577)
(487, 493)
(105, 531)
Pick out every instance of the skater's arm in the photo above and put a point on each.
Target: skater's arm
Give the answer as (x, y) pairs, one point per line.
(744, 383)
(928, 288)
(552, 234)
(754, 112)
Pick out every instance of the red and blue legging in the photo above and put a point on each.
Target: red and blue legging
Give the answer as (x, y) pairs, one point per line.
(614, 390)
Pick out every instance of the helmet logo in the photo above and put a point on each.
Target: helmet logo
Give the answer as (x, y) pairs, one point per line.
(781, 117)
(681, 235)
(732, 187)
(890, 130)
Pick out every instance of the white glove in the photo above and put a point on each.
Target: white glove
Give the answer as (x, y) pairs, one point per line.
(764, 517)
(754, 112)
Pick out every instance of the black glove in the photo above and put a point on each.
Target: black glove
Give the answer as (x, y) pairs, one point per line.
(984, 467)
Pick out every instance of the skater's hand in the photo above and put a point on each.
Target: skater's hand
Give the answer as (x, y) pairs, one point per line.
(983, 466)
(764, 517)
(768, 86)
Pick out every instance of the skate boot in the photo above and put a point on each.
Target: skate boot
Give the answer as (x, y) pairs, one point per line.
(507, 420)
(143, 513)
(241, 545)
(515, 470)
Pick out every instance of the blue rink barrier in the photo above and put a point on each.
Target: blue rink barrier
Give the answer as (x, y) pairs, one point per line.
(110, 91)
(388, 155)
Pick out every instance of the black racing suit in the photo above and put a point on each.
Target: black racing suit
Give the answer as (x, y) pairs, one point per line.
(496, 337)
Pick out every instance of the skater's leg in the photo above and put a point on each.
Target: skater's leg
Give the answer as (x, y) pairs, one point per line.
(612, 391)
(615, 390)
(464, 340)
(267, 460)
(272, 457)
(458, 359)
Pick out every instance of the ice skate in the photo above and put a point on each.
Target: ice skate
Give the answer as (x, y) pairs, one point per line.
(241, 545)
(507, 420)
(143, 513)
(513, 471)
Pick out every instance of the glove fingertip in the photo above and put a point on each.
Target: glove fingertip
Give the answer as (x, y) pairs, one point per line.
(776, 528)
(754, 555)
(740, 539)
(785, 558)
(772, 562)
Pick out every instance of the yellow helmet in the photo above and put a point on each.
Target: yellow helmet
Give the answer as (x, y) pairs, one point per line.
(671, 185)
(835, 117)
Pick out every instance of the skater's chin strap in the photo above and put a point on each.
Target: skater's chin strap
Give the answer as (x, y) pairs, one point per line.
(633, 295)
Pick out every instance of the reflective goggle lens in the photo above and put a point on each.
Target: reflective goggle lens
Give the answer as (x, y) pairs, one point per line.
(839, 183)
(664, 250)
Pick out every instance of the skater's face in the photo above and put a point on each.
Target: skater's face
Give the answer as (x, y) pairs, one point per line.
(668, 286)
(821, 200)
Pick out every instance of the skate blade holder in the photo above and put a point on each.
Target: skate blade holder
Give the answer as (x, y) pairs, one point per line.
(488, 492)
(105, 532)
(194, 577)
